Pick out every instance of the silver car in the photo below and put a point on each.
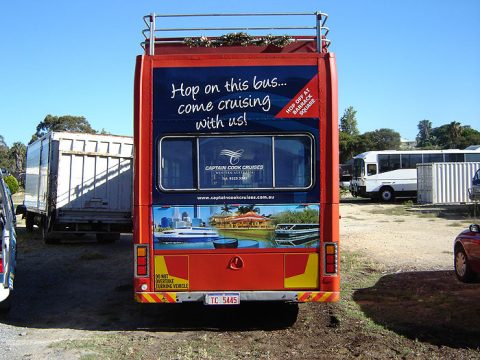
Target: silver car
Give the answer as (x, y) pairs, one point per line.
(9, 244)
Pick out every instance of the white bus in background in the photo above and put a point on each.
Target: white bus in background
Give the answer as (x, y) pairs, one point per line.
(387, 174)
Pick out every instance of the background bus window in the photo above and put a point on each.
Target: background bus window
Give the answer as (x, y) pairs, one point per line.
(177, 164)
(388, 162)
(472, 157)
(432, 158)
(371, 169)
(235, 162)
(454, 157)
(293, 162)
(410, 161)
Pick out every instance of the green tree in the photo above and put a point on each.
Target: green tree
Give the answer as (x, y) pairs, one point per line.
(348, 122)
(469, 137)
(63, 123)
(454, 133)
(349, 146)
(424, 136)
(2, 141)
(381, 139)
(348, 135)
(12, 183)
(5, 162)
(440, 137)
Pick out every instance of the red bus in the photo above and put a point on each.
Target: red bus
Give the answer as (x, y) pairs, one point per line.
(236, 166)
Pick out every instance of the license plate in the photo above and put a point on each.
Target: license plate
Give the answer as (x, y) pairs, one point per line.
(222, 299)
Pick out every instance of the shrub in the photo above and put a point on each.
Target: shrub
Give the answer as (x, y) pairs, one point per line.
(12, 183)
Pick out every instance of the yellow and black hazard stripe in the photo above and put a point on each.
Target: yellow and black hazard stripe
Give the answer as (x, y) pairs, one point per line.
(157, 297)
(318, 296)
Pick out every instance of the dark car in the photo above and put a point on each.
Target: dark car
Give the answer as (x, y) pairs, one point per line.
(475, 190)
(467, 254)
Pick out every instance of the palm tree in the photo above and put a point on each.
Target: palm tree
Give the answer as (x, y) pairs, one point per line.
(424, 133)
(454, 132)
(2, 141)
(18, 153)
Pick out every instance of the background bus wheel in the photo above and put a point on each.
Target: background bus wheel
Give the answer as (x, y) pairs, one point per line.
(387, 194)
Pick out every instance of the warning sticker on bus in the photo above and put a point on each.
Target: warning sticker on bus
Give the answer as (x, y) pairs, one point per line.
(171, 277)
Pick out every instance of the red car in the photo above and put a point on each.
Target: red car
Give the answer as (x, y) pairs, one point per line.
(467, 254)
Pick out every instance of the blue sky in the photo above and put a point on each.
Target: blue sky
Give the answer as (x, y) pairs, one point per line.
(399, 62)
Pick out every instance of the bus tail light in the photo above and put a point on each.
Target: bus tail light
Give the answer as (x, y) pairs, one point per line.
(331, 259)
(141, 260)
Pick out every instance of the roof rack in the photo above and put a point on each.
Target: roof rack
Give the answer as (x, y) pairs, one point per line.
(154, 32)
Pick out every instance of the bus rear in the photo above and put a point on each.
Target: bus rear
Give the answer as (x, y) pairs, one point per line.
(236, 169)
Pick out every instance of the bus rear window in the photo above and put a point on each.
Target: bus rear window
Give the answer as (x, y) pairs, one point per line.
(236, 162)
(177, 165)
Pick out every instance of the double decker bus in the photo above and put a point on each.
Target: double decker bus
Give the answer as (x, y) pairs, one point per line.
(236, 166)
(387, 174)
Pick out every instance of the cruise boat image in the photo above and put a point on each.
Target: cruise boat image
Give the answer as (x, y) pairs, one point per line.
(296, 234)
(187, 234)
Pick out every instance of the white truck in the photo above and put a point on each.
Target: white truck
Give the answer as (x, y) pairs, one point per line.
(79, 183)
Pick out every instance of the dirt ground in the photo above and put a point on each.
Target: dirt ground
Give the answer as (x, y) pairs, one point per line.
(400, 299)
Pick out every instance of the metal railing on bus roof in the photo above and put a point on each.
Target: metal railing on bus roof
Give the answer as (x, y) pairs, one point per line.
(321, 31)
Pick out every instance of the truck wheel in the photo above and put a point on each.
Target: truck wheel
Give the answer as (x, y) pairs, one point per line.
(387, 194)
(47, 237)
(29, 221)
(107, 238)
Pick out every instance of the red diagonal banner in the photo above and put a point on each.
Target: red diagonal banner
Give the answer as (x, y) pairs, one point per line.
(304, 104)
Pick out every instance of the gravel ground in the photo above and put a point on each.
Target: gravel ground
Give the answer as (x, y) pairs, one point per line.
(80, 289)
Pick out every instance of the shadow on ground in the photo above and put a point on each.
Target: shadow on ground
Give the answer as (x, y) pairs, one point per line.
(432, 307)
(80, 284)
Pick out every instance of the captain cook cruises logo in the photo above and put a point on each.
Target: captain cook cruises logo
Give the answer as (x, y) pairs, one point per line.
(233, 155)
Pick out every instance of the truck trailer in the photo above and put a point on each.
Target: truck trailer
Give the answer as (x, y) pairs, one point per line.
(79, 183)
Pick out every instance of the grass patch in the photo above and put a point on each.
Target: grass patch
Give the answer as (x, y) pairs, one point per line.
(393, 210)
(457, 224)
(358, 272)
(352, 217)
(428, 215)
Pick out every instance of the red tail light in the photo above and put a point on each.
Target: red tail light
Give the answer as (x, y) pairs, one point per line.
(141, 260)
(331, 258)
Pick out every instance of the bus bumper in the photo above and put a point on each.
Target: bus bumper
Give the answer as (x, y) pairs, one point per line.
(287, 296)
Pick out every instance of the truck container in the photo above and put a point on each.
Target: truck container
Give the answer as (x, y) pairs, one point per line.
(79, 183)
(445, 183)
